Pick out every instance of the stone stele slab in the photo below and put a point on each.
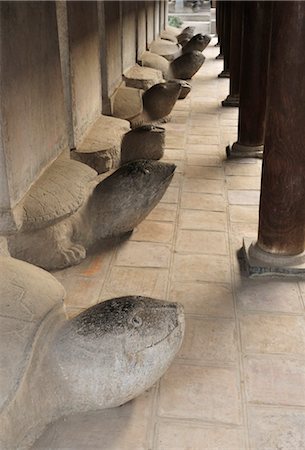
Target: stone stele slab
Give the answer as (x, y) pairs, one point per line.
(142, 77)
(101, 146)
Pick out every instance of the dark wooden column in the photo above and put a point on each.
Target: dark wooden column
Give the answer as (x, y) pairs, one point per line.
(219, 28)
(253, 80)
(282, 206)
(235, 53)
(226, 40)
(281, 235)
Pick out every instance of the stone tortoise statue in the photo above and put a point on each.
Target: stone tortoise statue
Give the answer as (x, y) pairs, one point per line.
(51, 366)
(70, 209)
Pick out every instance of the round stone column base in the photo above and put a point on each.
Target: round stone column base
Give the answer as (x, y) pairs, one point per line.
(262, 263)
(231, 100)
(238, 150)
(224, 74)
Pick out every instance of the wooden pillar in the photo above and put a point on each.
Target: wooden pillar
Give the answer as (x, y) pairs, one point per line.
(253, 80)
(235, 53)
(219, 27)
(226, 41)
(281, 235)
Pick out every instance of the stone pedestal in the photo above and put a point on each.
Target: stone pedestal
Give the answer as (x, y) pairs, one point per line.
(235, 54)
(253, 82)
(261, 263)
(281, 232)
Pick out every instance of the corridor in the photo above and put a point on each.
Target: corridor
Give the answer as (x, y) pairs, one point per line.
(239, 380)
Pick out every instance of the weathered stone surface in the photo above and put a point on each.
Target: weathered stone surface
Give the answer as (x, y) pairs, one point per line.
(167, 49)
(57, 194)
(185, 89)
(100, 148)
(168, 36)
(143, 143)
(198, 42)
(142, 77)
(187, 65)
(186, 34)
(111, 207)
(173, 30)
(159, 100)
(127, 103)
(52, 366)
(155, 61)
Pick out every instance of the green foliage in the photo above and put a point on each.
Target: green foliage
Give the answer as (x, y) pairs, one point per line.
(175, 21)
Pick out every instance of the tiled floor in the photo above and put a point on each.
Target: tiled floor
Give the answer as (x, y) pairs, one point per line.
(239, 380)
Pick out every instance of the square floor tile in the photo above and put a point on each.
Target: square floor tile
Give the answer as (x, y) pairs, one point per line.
(201, 268)
(195, 159)
(203, 298)
(243, 197)
(209, 173)
(202, 220)
(174, 435)
(153, 231)
(207, 202)
(240, 182)
(163, 212)
(171, 195)
(275, 380)
(199, 241)
(274, 428)
(209, 340)
(268, 295)
(143, 254)
(247, 214)
(204, 186)
(203, 393)
(272, 334)
(136, 281)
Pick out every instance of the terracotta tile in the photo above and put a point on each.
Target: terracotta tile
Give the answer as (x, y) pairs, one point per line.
(195, 159)
(82, 291)
(199, 241)
(203, 298)
(201, 268)
(203, 393)
(171, 195)
(173, 153)
(209, 340)
(174, 435)
(268, 295)
(206, 186)
(239, 197)
(164, 212)
(206, 130)
(198, 139)
(209, 173)
(203, 149)
(272, 334)
(152, 231)
(239, 182)
(243, 213)
(143, 254)
(274, 428)
(136, 281)
(275, 380)
(248, 169)
(207, 202)
(202, 220)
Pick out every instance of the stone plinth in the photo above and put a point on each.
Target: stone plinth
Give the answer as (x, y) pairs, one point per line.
(261, 263)
(167, 49)
(127, 103)
(100, 148)
(142, 77)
